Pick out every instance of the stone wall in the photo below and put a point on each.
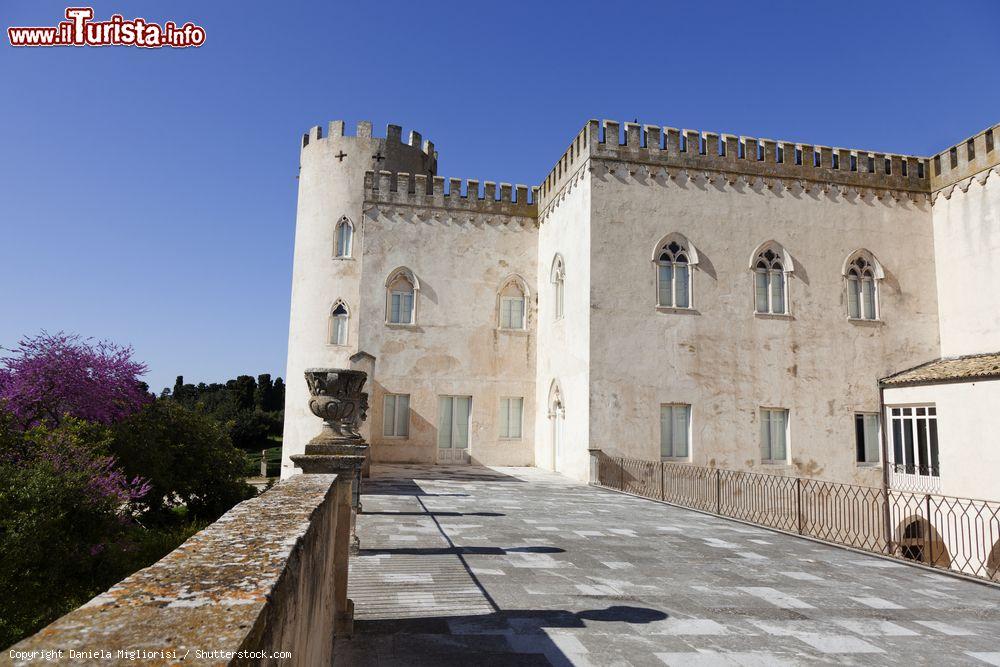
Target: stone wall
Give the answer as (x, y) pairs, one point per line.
(261, 578)
(721, 357)
(461, 250)
(967, 248)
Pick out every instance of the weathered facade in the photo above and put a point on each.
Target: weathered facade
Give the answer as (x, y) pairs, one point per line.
(656, 280)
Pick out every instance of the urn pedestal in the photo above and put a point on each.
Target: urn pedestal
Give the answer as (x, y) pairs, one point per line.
(336, 397)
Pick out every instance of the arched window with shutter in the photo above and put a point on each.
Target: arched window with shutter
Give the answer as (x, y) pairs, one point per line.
(674, 258)
(771, 265)
(339, 320)
(863, 274)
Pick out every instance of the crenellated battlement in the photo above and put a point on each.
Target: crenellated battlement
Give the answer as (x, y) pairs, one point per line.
(453, 194)
(670, 147)
(363, 130)
(966, 158)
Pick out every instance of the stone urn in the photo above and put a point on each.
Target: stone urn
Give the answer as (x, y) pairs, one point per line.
(335, 396)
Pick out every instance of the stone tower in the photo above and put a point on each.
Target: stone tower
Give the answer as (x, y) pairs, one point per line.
(331, 189)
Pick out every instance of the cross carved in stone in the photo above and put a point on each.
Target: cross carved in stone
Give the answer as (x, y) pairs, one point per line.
(340, 156)
(378, 157)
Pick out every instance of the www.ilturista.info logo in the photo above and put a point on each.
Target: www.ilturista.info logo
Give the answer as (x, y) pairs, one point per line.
(81, 30)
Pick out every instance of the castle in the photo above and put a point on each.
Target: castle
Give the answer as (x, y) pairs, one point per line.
(725, 301)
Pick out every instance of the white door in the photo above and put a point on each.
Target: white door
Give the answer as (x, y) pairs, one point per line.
(453, 428)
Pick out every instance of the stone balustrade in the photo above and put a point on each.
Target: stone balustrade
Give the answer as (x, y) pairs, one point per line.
(269, 576)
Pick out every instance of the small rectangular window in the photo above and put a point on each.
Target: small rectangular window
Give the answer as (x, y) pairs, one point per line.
(773, 435)
(396, 415)
(970, 147)
(989, 141)
(675, 426)
(866, 437)
(511, 413)
(915, 440)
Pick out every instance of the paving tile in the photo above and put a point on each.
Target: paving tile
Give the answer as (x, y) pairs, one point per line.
(519, 566)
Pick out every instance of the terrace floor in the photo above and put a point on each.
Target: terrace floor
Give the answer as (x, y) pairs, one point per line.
(519, 566)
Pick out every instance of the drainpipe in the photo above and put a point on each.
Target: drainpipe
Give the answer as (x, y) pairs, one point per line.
(887, 513)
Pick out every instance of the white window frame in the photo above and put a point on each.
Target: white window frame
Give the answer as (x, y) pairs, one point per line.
(396, 399)
(506, 406)
(503, 301)
(406, 275)
(909, 416)
(345, 253)
(453, 430)
(765, 414)
(672, 408)
(863, 275)
(668, 254)
(869, 448)
(345, 318)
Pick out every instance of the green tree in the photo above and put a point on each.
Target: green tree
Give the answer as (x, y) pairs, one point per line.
(187, 458)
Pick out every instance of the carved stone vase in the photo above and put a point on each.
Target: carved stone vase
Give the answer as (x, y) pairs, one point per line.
(335, 396)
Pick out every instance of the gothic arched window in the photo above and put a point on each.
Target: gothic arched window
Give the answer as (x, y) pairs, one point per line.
(674, 257)
(558, 277)
(513, 304)
(863, 273)
(771, 265)
(344, 238)
(339, 319)
(401, 297)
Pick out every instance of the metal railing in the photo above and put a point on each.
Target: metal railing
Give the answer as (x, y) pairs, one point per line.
(958, 534)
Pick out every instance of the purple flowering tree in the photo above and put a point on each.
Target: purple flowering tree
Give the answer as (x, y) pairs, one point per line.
(49, 377)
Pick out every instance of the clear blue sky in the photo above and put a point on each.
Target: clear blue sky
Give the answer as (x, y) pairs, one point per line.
(148, 196)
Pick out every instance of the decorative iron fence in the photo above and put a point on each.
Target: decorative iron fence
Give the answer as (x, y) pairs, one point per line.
(958, 534)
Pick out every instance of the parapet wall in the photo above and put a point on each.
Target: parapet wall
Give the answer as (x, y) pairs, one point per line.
(417, 190)
(389, 152)
(966, 158)
(709, 151)
(261, 578)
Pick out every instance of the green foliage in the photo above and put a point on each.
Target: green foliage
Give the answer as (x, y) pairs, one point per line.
(65, 528)
(85, 504)
(187, 458)
(251, 410)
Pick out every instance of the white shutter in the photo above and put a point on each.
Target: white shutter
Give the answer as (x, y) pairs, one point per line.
(869, 298)
(778, 292)
(666, 431)
(403, 415)
(460, 435)
(517, 415)
(778, 426)
(444, 422)
(765, 435)
(394, 307)
(682, 274)
(872, 453)
(760, 279)
(666, 289)
(853, 292)
(406, 308)
(388, 414)
(504, 417)
(680, 430)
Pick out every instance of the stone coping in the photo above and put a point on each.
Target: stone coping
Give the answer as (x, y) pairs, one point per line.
(209, 594)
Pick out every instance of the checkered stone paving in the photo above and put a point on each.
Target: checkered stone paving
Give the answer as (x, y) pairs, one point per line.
(464, 565)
